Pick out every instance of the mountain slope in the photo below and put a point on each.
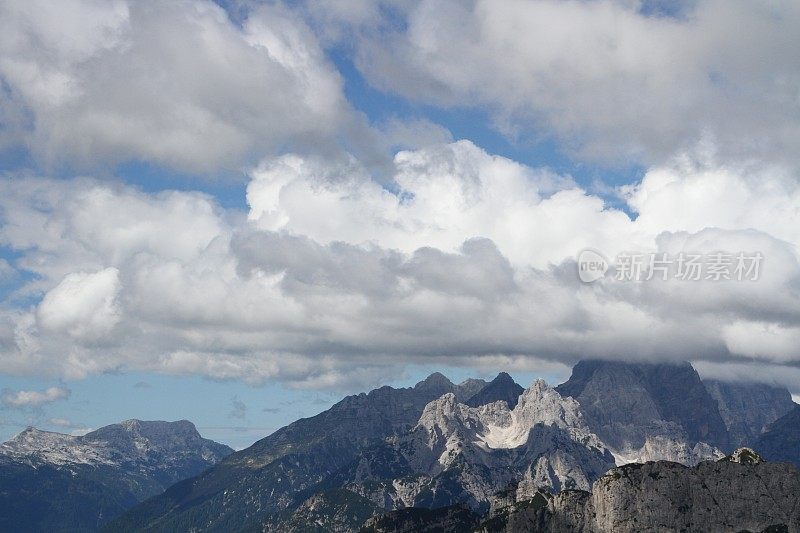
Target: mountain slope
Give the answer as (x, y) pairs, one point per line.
(646, 411)
(264, 480)
(51, 481)
(748, 408)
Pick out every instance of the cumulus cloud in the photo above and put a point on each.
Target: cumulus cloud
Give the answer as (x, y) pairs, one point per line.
(468, 259)
(88, 83)
(33, 398)
(83, 305)
(612, 80)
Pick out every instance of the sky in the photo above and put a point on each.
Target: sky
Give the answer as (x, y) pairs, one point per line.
(238, 212)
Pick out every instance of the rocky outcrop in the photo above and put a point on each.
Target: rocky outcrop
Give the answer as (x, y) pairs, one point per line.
(748, 408)
(739, 492)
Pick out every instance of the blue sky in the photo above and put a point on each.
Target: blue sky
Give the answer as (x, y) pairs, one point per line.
(217, 225)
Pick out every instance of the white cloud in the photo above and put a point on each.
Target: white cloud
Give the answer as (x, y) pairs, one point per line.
(605, 77)
(84, 305)
(176, 83)
(469, 259)
(33, 398)
(449, 193)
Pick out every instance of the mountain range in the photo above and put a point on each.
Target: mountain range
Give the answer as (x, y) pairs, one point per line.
(475, 455)
(55, 482)
(444, 446)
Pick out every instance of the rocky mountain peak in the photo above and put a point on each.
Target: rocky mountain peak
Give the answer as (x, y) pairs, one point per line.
(435, 382)
(648, 411)
(541, 403)
(501, 388)
(503, 377)
(135, 435)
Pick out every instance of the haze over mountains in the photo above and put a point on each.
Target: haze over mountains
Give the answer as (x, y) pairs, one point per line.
(439, 444)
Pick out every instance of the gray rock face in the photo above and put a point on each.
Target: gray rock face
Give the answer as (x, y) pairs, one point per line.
(737, 493)
(748, 408)
(503, 388)
(645, 411)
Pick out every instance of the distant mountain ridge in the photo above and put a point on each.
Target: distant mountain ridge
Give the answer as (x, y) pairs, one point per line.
(52, 481)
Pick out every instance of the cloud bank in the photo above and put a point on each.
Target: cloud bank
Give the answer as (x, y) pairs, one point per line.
(331, 277)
